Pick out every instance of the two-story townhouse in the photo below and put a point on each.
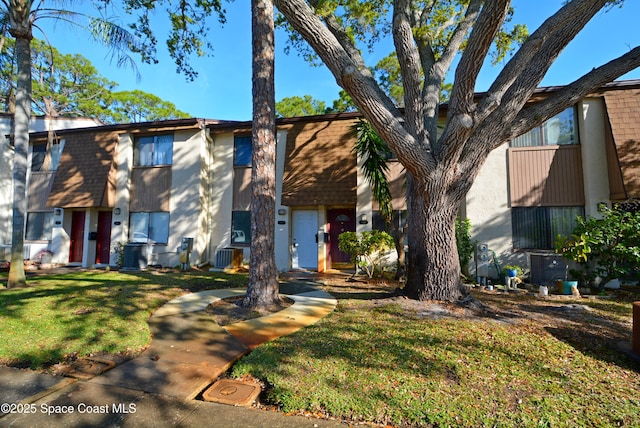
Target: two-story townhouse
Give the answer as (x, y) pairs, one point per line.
(157, 183)
(147, 183)
(37, 124)
(576, 163)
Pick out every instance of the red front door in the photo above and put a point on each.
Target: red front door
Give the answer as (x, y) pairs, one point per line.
(103, 238)
(340, 220)
(76, 239)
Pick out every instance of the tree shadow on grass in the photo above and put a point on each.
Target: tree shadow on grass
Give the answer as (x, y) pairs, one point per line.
(90, 311)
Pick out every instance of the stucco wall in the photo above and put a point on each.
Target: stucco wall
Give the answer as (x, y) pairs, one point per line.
(591, 116)
(186, 204)
(6, 190)
(283, 214)
(120, 225)
(487, 207)
(222, 193)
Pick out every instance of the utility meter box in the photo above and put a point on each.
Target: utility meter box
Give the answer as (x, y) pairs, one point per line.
(187, 244)
(482, 262)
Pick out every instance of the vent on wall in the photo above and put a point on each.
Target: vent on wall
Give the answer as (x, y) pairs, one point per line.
(228, 258)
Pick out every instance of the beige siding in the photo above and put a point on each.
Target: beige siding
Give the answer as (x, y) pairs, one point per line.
(320, 166)
(546, 176)
(85, 164)
(39, 189)
(150, 189)
(623, 110)
(241, 189)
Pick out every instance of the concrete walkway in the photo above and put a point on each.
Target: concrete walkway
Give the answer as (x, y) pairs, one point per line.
(164, 385)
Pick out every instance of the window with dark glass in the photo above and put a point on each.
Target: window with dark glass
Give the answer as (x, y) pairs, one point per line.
(242, 150)
(149, 227)
(559, 130)
(38, 153)
(538, 227)
(241, 227)
(399, 220)
(153, 150)
(39, 225)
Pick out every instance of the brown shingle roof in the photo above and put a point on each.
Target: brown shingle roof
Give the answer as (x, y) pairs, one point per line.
(623, 109)
(320, 167)
(82, 176)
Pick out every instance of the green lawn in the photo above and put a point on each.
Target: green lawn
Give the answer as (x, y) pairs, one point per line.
(383, 364)
(81, 313)
(524, 362)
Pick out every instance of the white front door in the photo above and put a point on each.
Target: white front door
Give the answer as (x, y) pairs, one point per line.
(305, 227)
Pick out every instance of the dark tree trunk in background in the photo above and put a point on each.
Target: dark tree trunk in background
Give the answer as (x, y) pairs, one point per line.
(263, 275)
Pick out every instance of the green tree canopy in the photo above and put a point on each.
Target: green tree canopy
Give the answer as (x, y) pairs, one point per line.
(69, 85)
(139, 106)
(299, 106)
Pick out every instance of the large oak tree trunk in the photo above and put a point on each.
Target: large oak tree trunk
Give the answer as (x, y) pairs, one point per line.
(434, 268)
(263, 291)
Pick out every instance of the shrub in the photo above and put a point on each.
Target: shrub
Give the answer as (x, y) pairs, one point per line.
(118, 249)
(465, 245)
(364, 248)
(607, 247)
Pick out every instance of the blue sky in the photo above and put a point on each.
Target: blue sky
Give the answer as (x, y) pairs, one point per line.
(223, 88)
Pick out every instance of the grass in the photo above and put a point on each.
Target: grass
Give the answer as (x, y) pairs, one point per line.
(523, 364)
(57, 317)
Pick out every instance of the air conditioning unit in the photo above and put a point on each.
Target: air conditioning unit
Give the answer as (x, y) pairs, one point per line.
(546, 268)
(135, 257)
(5, 252)
(228, 258)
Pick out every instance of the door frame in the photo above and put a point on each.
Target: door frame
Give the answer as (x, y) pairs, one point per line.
(334, 255)
(103, 237)
(77, 236)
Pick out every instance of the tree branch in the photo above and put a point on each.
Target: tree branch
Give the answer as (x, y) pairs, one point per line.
(460, 121)
(569, 95)
(342, 37)
(409, 61)
(484, 31)
(536, 56)
(376, 106)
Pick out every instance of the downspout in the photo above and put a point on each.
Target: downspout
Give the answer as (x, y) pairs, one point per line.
(210, 158)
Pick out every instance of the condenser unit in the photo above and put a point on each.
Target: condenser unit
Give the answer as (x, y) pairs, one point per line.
(546, 268)
(228, 258)
(135, 257)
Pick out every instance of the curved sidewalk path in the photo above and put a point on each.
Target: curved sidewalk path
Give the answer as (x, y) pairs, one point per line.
(189, 351)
